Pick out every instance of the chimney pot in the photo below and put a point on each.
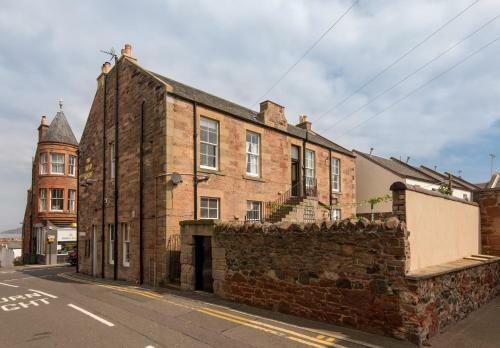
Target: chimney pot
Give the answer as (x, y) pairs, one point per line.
(127, 51)
(304, 122)
(106, 67)
(42, 129)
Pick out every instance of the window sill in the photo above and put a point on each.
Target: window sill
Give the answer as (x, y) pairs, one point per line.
(210, 171)
(253, 178)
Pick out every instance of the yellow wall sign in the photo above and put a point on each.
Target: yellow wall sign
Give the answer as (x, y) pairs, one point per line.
(51, 239)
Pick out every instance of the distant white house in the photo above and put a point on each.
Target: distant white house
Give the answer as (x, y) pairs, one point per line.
(374, 176)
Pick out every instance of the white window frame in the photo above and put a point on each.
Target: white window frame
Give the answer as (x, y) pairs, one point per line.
(335, 168)
(43, 200)
(126, 243)
(112, 160)
(254, 214)
(61, 198)
(252, 149)
(72, 165)
(111, 245)
(336, 214)
(71, 200)
(44, 163)
(208, 127)
(57, 163)
(309, 163)
(207, 208)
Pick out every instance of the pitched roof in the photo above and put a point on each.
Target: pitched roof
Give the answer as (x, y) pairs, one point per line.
(455, 180)
(397, 167)
(242, 112)
(494, 181)
(59, 131)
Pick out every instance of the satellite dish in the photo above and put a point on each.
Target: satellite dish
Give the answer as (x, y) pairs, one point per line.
(176, 178)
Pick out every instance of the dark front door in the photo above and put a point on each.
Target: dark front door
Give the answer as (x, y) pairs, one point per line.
(295, 170)
(203, 263)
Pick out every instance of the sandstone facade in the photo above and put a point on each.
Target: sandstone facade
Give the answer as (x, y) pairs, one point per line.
(489, 203)
(171, 123)
(41, 214)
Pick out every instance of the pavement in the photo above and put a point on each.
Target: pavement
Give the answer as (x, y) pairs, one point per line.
(55, 307)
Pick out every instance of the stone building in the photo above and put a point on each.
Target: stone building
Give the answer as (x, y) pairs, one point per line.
(49, 225)
(375, 174)
(155, 152)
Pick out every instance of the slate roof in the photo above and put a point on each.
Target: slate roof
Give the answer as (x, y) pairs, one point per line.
(242, 112)
(423, 173)
(397, 167)
(59, 131)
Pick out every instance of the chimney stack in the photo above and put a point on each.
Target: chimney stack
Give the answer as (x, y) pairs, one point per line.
(42, 129)
(273, 115)
(304, 122)
(105, 69)
(127, 52)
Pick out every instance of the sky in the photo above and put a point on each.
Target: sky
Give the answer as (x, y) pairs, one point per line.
(443, 109)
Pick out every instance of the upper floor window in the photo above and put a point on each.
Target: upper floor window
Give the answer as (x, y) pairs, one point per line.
(71, 200)
(209, 208)
(44, 163)
(209, 143)
(56, 199)
(253, 210)
(309, 165)
(57, 163)
(253, 154)
(112, 160)
(335, 175)
(72, 165)
(43, 199)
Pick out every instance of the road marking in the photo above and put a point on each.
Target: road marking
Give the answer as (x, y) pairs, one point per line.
(12, 286)
(104, 321)
(283, 330)
(306, 342)
(43, 293)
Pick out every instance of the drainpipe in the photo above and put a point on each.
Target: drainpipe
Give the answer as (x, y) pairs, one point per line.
(304, 166)
(103, 205)
(77, 210)
(195, 164)
(330, 176)
(30, 245)
(141, 197)
(115, 251)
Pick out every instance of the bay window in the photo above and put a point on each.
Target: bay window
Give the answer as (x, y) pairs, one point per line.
(57, 163)
(56, 199)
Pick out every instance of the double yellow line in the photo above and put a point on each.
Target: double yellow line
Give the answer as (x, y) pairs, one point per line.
(320, 341)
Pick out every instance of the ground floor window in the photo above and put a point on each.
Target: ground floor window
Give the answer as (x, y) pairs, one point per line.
(209, 208)
(126, 244)
(64, 247)
(336, 214)
(254, 209)
(66, 240)
(40, 240)
(111, 249)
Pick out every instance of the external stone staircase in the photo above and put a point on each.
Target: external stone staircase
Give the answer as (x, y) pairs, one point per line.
(299, 210)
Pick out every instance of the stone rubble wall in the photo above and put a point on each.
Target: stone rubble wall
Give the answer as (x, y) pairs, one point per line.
(352, 272)
(348, 272)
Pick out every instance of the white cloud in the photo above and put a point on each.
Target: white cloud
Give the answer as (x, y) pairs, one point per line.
(50, 49)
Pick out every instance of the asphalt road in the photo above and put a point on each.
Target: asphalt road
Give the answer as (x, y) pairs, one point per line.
(54, 307)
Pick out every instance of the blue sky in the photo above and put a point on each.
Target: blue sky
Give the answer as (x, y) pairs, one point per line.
(237, 50)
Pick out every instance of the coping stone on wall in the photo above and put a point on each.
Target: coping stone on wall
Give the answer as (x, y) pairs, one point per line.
(400, 186)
